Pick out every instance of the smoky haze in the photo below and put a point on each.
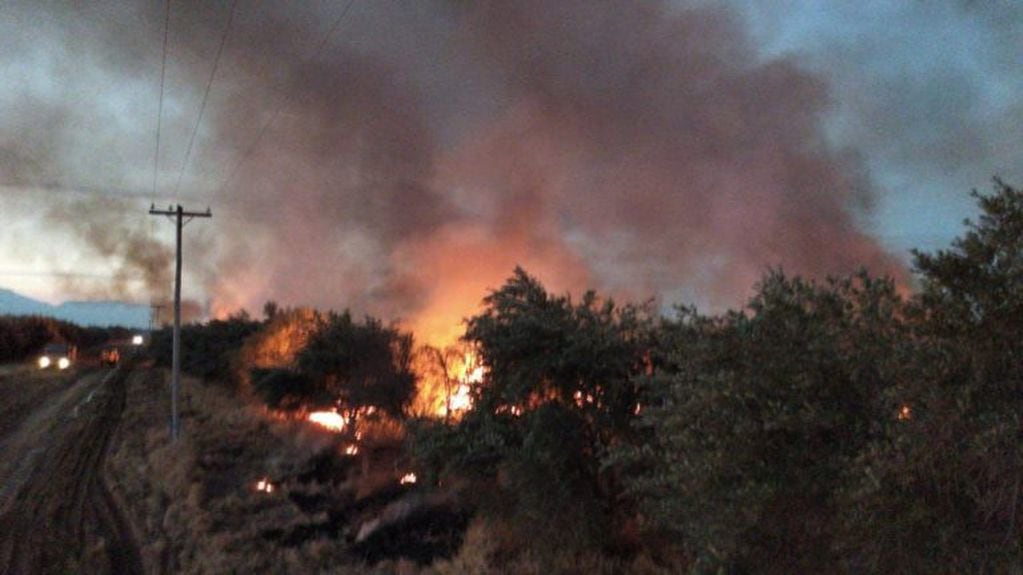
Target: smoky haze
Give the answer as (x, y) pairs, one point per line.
(428, 148)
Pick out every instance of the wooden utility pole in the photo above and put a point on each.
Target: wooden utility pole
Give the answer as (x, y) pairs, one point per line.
(180, 214)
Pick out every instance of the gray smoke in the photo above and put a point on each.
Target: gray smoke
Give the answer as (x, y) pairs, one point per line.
(643, 148)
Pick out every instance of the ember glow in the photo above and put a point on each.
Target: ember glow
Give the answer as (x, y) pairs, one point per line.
(331, 420)
(407, 479)
(264, 486)
(514, 410)
(905, 413)
(582, 400)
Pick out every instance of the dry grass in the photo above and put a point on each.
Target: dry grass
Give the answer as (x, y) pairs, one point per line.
(23, 389)
(492, 549)
(194, 504)
(195, 508)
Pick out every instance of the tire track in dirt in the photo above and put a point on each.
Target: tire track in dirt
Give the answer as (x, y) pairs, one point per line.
(63, 518)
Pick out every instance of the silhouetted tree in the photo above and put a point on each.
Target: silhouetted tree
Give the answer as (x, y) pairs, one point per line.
(939, 491)
(557, 393)
(360, 365)
(270, 310)
(208, 350)
(749, 426)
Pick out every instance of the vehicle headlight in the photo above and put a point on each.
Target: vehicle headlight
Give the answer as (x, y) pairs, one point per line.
(63, 363)
(44, 362)
(136, 340)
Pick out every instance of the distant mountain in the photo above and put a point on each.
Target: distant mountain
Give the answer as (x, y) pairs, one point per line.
(85, 313)
(13, 303)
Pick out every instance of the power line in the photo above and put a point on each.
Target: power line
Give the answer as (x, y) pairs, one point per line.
(159, 114)
(206, 95)
(84, 189)
(321, 45)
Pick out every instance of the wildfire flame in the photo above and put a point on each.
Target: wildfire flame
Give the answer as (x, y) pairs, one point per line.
(581, 399)
(331, 420)
(905, 413)
(407, 479)
(352, 449)
(468, 372)
(514, 410)
(265, 486)
(460, 400)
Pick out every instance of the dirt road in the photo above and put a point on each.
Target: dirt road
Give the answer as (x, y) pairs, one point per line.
(56, 513)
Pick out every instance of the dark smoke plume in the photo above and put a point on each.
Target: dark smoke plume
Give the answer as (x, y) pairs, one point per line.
(638, 147)
(102, 226)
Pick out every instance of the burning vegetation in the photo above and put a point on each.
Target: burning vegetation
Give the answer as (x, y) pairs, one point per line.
(564, 428)
(331, 420)
(265, 486)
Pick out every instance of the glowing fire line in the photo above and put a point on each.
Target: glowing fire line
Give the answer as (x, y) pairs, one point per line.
(331, 420)
(460, 399)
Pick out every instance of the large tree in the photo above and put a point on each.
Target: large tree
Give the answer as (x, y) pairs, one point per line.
(558, 391)
(361, 365)
(753, 416)
(941, 489)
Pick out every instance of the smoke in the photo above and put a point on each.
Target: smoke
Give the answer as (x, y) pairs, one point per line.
(100, 223)
(641, 148)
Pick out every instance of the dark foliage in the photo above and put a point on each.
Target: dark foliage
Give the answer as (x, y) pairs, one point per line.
(359, 365)
(557, 393)
(751, 425)
(207, 350)
(939, 490)
(828, 426)
(288, 389)
(837, 427)
(22, 337)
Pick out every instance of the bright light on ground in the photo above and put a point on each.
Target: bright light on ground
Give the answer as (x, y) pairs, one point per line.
(331, 420)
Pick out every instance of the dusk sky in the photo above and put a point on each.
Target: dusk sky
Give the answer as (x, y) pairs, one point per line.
(406, 159)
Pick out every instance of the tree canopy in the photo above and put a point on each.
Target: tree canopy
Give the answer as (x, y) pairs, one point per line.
(835, 425)
(557, 392)
(360, 365)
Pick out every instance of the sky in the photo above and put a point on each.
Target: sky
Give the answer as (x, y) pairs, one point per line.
(400, 158)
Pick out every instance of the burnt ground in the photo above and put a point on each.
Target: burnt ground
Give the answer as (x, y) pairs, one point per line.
(56, 513)
(196, 508)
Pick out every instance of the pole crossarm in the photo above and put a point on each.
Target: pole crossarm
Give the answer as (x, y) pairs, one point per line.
(173, 211)
(177, 213)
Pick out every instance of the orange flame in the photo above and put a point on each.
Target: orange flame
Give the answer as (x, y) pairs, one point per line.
(331, 420)
(905, 413)
(468, 372)
(407, 479)
(264, 486)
